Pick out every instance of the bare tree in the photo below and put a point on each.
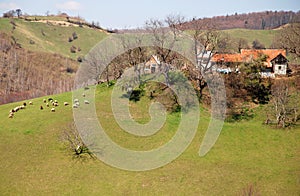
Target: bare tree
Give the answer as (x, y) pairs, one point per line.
(161, 30)
(174, 22)
(285, 105)
(75, 143)
(206, 41)
(289, 38)
(134, 57)
(18, 12)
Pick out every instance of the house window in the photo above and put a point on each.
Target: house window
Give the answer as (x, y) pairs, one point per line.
(152, 69)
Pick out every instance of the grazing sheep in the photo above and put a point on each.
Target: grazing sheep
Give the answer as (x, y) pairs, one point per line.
(76, 100)
(11, 115)
(50, 99)
(47, 104)
(75, 106)
(55, 101)
(52, 109)
(83, 94)
(66, 103)
(86, 102)
(16, 109)
(55, 104)
(30, 103)
(24, 104)
(44, 100)
(12, 111)
(41, 107)
(22, 107)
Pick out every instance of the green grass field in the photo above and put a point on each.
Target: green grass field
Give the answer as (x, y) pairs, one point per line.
(52, 38)
(34, 160)
(266, 37)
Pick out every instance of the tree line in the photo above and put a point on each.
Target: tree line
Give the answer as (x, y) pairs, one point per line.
(256, 20)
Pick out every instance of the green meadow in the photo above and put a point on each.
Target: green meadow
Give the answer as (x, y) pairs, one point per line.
(36, 161)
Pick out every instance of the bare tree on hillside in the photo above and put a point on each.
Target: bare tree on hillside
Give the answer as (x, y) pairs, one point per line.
(18, 12)
(161, 30)
(206, 42)
(285, 104)
(134, 57)
(289, 38)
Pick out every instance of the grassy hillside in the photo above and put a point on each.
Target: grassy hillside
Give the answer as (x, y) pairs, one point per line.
(34, 160)
(50, 37)
(265, 37)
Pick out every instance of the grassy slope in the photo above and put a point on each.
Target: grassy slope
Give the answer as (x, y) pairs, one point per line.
(55, 38)
(265, 37)
(35, 162)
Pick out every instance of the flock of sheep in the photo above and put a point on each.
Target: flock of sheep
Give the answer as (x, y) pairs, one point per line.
(50, 102)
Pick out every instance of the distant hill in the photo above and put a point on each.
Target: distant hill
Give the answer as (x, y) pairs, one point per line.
(54, 34)
(40, 55)
(255, 20)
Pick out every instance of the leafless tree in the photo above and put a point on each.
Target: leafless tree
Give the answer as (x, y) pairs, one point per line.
(161, 30)
(280, 92)
(285, 105)
(134, 57)
(18, 12)
(206, 41)
(289, 38)
(75, 143)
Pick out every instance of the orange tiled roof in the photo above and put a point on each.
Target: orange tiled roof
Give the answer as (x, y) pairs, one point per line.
(227, 58)
(247, 55)
(250, 54)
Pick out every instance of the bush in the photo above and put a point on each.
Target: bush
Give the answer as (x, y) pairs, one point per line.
(245, 113)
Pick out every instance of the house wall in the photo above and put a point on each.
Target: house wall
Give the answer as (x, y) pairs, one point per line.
(149, 65)
(280, 69)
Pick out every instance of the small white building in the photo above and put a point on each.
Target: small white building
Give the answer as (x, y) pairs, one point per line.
(279, 64)
(152, 65)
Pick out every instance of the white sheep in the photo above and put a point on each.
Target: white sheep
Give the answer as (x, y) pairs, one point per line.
(75, 106)
(76, 100)
(16, 108)
(83, 94)
(11, 115)
(66, 103)
(30, 103)
(47, 104)
(52, 109)
(86, 102)
(55, 101)
(44, 100)
(55, 104)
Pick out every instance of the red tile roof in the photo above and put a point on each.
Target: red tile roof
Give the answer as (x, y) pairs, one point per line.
(248, 55)
(227, 58)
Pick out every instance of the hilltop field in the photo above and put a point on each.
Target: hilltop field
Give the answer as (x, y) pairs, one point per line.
(51, 34)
